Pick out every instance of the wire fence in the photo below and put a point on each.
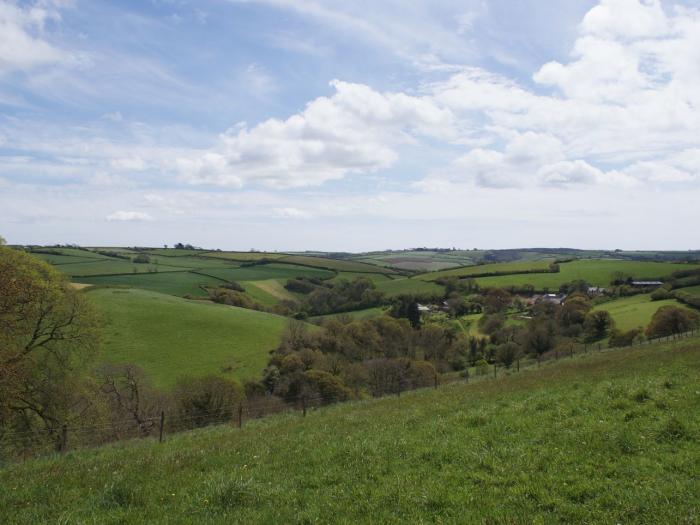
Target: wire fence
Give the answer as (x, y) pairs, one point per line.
(159, 425)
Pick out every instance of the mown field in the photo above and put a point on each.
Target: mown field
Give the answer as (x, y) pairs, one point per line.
(635, 311)
(601, 438)
(168, 336)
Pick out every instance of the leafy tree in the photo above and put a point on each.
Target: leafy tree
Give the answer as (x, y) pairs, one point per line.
(508, 353)
(142, 258)
(413, 314)
(497, 300)
(598, 323)
(539, 337)
(49, 333)
(669, 320)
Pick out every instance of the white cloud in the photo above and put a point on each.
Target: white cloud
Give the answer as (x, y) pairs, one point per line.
(355, 130)
(22, 43)
(122, 215)
(290, 213)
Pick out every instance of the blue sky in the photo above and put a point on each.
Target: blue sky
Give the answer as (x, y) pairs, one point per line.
(309, 124)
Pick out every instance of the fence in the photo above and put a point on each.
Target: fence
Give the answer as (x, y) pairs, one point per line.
(68, 437)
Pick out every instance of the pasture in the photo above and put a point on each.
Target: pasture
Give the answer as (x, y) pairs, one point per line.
(635, 311)
(168, 336)
(513, 267)
(174, 283)
(409, 286)
(596, 272)
(601, 438)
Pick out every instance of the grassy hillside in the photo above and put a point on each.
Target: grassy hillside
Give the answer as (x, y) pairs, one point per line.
(603, 438)
(409, 286)
(596, 272)
(169, 336)
(520, 266)
(635, 311)
(173, 283)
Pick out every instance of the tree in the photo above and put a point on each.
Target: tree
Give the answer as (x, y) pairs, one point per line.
(508, 353)
(669, 320)
(539, 338)
(598, 323)
(3, 242)
(413, 315)
(48, 335)
(497, 300)
(130, 397)
(142, 258)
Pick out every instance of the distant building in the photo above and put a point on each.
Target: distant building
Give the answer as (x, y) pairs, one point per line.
(646, 284)
(423, 308)
(595, 290)
(550, 298)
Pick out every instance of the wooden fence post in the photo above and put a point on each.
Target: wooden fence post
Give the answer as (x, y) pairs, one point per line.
(518, 364)
(494, 370)
(64, 437)
(162, 424)
(303, 406)
(240, 415)
(436, 380)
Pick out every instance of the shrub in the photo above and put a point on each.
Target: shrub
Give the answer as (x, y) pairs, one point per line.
(205, 400)
(620, 339)
(142, 258)
(669, 320)
(233, 285)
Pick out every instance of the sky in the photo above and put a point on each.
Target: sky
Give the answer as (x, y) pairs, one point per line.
(351, 126)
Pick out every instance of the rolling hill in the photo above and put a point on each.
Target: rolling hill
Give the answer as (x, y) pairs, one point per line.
(602, 438)
(169, 336)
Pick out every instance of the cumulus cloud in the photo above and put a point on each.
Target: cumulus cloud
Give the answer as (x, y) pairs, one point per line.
(623, 109)
(356, 130)
(122, 215)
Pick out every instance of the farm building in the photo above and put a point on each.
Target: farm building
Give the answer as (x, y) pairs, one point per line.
(645, 284)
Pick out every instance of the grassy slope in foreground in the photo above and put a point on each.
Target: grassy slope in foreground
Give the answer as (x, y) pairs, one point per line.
(169, 336)
(601, 438)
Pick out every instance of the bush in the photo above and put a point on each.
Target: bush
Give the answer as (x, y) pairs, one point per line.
(669, 320)
(142, 258)
(206, 400)
(620, 339)
(233, 285)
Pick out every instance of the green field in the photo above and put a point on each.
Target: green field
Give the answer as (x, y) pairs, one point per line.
(520, 266)
(635, 311)
(169, 336)
(367, 313)
(268, 271)
(244, 256)
(349, 276)
(692, 290)
(173, 283)
(596, 272)
(409, 286)
(601, 438)
(269, 292)
(339, 265)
